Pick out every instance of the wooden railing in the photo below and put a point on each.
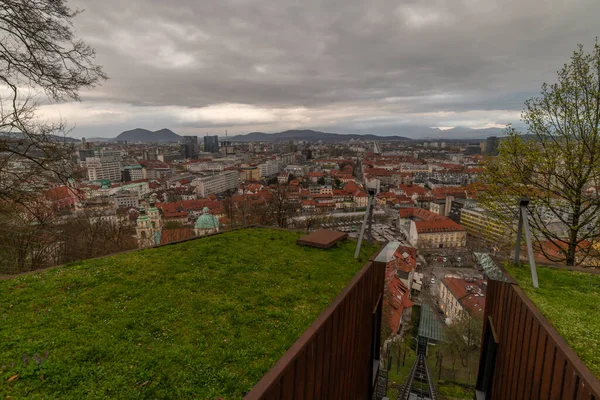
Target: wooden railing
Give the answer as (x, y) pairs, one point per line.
(337, 357)
(523, 356)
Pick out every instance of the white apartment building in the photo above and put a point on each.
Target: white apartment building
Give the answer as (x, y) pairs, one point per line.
(103, 168)
(126, 199)
(141, 189)
(207, 166)
(285, 159)
(215, 184)
(405, 167)
(296, 170)
(269, 168)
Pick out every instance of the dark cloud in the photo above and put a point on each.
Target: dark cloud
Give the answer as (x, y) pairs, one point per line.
(342, 64)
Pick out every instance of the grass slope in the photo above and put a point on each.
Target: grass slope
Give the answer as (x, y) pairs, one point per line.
(571, 302)
(202, 319)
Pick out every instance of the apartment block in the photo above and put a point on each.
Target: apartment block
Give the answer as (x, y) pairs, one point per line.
(269, 168)
(216, 184)
(481, 223)
(103, 168)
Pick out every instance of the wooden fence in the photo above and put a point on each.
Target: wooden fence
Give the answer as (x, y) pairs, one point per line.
(523, 356)
(337, 357)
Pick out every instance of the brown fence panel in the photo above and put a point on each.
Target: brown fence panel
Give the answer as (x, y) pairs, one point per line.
(532, 360)
(332, 359)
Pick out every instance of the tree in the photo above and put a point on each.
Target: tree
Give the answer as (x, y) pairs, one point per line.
(230, 209)
(280, 205)
(463, 341)
(39, 54)
(321, 181)
(557, 166)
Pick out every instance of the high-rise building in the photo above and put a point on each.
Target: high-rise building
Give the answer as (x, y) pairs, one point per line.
(103, 168)
(491, 146)
(211, 144)
(189, 147)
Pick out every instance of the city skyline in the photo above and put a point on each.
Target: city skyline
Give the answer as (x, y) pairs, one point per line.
(365, 68)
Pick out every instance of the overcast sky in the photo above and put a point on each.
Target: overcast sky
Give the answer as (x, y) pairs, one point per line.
(199, 66)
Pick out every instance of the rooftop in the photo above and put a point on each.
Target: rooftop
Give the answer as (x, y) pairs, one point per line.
(206, 318)
(571, 302)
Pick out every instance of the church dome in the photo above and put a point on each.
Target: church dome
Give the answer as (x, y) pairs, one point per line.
(206, 220)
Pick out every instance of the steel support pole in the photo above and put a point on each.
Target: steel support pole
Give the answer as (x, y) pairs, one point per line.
(524, 217)
(362, 228)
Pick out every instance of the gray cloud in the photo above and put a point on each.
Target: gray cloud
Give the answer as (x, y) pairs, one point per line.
(346, 64)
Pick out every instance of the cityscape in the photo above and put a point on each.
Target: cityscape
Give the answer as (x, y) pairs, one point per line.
(168, 258)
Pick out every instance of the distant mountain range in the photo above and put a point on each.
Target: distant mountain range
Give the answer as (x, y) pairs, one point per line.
(457, 133)
(56, 138)
(308, 135)
(420, 133)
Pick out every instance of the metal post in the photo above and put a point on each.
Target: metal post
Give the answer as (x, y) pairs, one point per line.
(370, 231)
(524, 225)
(534, 278)
(362, 228)
(519, 237)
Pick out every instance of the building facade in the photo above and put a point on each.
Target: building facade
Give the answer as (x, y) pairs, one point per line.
(211, 144)
(459, 298)
(481, 223)
(189, 147)
(124, 199)
(103, 168)
(269, 168)
(216, 184)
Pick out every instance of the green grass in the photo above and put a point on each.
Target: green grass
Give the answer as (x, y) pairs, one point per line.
(397, 373)
(203, 319)
(571, 302)
(454, 391)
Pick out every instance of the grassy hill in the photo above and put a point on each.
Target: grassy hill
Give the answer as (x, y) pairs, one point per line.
(205, 319)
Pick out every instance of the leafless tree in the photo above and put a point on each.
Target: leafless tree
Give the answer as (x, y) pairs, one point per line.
(280, 205)
(39, 57)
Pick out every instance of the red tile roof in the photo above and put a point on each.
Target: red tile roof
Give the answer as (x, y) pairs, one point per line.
(176, 234)
(445, 225)
(420, 214)
(470, 299)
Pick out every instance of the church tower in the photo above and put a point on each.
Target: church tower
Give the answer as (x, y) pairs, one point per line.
(143, 229)
(149, 226)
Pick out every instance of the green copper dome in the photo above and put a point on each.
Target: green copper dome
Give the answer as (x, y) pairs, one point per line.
(206, 220)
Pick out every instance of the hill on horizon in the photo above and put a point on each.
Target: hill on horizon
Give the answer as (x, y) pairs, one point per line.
(145, 135)
(408, 133)
(308, 135)
(420, 133)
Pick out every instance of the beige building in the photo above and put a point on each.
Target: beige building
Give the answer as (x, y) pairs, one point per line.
(427, 230)
(480, 223)
(461, 297)
(250, 174)
(361, 199)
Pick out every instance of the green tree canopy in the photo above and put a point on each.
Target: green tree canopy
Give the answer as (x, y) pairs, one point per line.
(557, 165)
